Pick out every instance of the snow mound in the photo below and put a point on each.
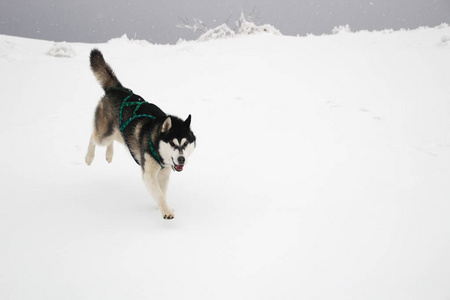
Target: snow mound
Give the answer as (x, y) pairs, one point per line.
(61, 49)
(445, 40)
(387, 31)
(6, 47)
(8, 51)
(341, 29)
(124, 40)
(220, 32)
(245, 27)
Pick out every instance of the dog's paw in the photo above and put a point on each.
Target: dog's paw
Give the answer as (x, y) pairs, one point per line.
(168, 215)
(109, 153)
(88, 159)
(109, 157)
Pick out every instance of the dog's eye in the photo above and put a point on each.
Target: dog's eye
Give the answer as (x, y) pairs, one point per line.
(172, 144)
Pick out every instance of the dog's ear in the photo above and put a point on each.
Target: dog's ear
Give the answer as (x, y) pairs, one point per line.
(166, 125)
(188, 121)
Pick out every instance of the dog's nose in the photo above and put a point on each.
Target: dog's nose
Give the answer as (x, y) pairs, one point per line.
(181, 160)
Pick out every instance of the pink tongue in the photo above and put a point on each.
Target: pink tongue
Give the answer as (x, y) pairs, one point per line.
(179, 168)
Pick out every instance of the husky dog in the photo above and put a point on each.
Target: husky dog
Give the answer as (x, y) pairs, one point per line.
(158, 142)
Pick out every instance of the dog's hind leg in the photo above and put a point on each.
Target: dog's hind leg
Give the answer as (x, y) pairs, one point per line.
(104, 141)
(91, 151)
(110, 152)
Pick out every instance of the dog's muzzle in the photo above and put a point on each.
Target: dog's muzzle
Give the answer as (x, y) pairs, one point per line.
(178, 168)
(180, 165)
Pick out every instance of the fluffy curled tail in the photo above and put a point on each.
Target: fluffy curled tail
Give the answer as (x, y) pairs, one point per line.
(105, 75)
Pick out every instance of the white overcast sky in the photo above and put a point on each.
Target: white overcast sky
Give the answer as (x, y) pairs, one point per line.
(156, 20)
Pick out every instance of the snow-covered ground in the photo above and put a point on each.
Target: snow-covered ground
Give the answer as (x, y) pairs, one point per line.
(321, 171)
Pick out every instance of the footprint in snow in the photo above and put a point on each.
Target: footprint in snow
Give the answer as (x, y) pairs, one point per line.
(376, 118)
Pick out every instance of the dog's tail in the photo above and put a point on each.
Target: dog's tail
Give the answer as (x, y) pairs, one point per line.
(105, 75)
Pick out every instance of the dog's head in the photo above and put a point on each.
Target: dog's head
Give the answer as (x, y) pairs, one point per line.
(177, 142)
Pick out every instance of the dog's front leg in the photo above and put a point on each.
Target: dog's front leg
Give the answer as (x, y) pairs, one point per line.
(150, 177)
(163, 179)
(151, 183)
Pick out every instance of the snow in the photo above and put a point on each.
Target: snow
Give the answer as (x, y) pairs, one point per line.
(219, 32)
(61, 50)
(321, 171)
(341, 29)
(246, 27)
(242, 27)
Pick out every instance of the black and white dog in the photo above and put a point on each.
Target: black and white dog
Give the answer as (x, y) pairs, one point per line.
(158, 142)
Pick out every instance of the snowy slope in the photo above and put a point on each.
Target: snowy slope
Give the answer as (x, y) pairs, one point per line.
(321, 171)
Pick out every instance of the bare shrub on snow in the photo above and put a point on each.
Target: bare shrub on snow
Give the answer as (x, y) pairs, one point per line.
(198, 25)
(220, 32)
(242, 27)
(246, 27)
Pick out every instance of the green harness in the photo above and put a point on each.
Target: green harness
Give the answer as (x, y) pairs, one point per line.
(123, 125)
